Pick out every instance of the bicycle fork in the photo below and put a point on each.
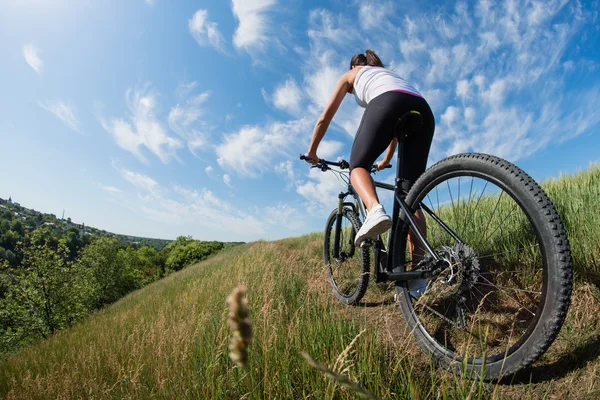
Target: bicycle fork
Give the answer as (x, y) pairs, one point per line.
(338, 226)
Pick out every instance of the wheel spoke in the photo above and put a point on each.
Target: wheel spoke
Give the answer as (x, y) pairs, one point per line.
(500, 224)
(497, 236)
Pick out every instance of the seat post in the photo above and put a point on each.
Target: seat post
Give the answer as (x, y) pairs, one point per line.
(400, 149)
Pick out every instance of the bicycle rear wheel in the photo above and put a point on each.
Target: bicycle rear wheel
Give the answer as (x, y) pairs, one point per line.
(348, 271)
(505, 288)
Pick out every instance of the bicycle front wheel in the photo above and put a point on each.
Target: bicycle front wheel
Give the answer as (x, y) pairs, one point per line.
(348, 269)
(506, 279)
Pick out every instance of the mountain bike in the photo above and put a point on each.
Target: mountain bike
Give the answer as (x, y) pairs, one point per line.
(491, 288)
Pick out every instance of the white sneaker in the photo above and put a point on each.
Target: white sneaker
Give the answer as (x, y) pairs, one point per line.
(376, 223)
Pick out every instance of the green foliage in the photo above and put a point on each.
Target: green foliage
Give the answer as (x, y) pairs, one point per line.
(46, 293)
(144, 264)
(185, 251)
(117, 270)
(109, 280)
(54, 272)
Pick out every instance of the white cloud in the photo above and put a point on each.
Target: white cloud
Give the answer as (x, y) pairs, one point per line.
(491, 60)
(206, 32)
(320, 191)
(327, 28)
(145, 129)
(111, 189)
(284, 215)
(63, 111)
(252, 149)
(184, 119)
(135, 178)
(227, 180)
(286, 169)
(208, 170)
(288, 97)
(254, 24)
(450, 115)
(329, 149)
(373, 15)
(31, 54)
(463, 88)
(197, 212)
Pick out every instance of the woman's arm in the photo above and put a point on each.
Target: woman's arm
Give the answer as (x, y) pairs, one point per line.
(388, 155)
(343, 86)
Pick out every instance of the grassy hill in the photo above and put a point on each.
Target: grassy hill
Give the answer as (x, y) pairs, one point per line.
(170, 339)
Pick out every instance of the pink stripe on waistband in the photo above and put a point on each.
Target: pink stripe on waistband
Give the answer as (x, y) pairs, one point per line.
(407, 92)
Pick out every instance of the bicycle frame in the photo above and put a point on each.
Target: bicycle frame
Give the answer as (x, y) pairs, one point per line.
(383, 257)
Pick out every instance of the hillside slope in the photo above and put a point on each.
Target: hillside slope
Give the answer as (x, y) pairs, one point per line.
(169, 340)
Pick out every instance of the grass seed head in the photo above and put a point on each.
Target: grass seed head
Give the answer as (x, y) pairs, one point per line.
(239, 322)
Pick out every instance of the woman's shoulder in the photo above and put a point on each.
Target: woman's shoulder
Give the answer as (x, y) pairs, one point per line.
(350, 75)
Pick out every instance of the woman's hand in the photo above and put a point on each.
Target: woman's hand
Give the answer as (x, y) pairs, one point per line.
(311, 157)
(382, 164)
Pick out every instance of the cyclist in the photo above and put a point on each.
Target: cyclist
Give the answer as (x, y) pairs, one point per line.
(386, 97)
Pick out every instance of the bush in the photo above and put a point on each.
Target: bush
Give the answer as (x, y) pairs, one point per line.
(186, 251)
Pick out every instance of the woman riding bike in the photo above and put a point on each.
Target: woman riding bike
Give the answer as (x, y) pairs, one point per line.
(386, 97)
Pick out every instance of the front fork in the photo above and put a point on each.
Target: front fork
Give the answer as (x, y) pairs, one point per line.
(338, 226)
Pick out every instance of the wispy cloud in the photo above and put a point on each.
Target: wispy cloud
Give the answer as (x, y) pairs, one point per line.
(206, 32)
(286, 169)
(254, 24)
(284, 215)
(185, 211)
(288, 97)
(31, 54)
(320, 190)
(144, 129)
(490, 70)
(495, 75)
(374, 14)
(252, 149)
(184, 119)
(111, 189)
(135, 178)
(227, 180)
(63, 111)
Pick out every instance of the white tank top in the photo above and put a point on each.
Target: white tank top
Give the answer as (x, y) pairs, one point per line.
(370, 82)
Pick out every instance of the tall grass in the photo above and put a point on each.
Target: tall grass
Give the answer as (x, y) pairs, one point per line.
(577, 199)
(170, 339)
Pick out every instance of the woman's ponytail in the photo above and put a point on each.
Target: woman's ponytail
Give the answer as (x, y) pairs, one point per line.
(372, 59)
(369, 58)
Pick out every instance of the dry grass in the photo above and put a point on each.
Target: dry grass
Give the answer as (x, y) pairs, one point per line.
(170, 339)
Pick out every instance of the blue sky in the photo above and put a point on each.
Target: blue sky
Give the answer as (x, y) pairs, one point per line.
(159, 118)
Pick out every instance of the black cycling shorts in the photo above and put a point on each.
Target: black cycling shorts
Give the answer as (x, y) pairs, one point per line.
(376, 131)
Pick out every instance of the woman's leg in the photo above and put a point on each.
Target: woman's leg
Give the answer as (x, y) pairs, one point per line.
(417, 250)
(363, 184)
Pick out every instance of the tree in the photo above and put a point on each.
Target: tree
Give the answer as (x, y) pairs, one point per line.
(17, 226)
(46, 293)
(100, 258)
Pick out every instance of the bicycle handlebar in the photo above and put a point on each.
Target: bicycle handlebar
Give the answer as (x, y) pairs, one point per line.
(323, 165)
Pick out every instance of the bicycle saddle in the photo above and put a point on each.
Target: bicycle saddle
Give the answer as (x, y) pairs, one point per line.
(408, 124)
